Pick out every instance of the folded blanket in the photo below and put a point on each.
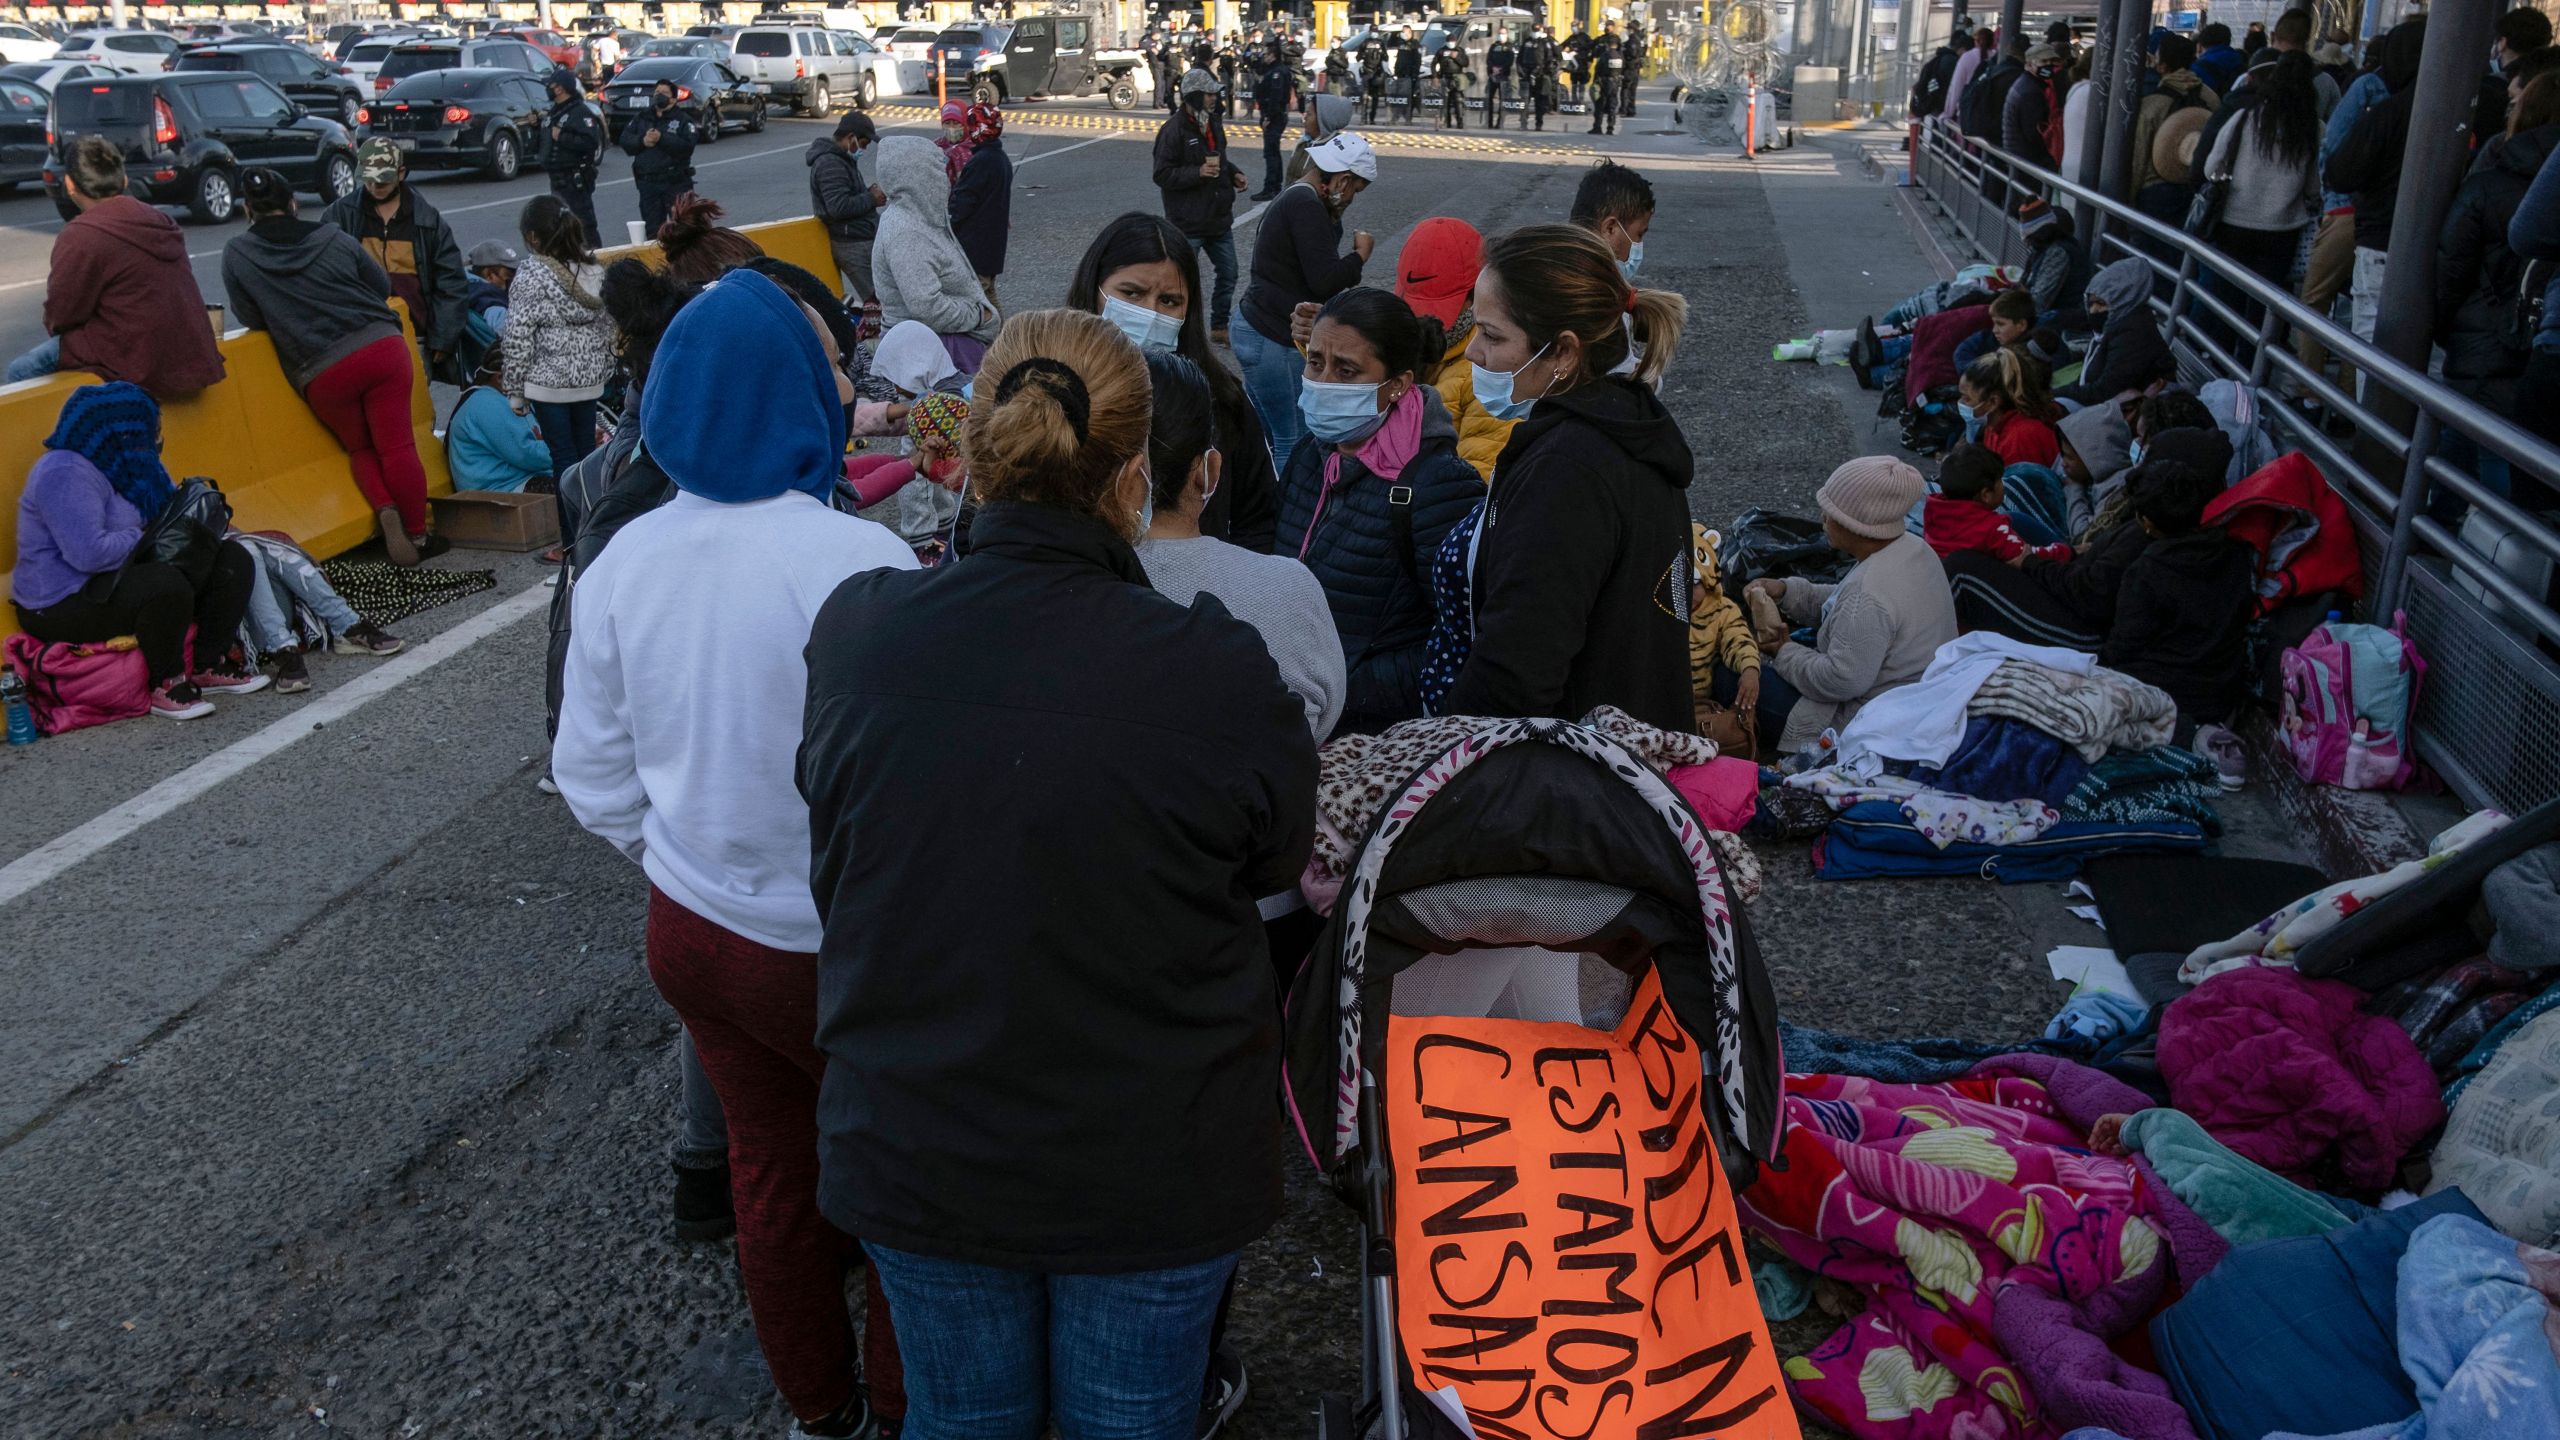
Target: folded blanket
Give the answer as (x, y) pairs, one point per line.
(2125, 770)
(1939, 816)
(2093, 713)
(1875, 839)
(2274, 939)
(2243, 1202)
(2187, 802)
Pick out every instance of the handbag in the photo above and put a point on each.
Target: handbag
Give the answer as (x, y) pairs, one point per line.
(1735, 729)
(188, 531)
(2205, 211)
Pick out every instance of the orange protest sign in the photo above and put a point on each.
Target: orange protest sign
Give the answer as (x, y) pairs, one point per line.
(1568, 1256)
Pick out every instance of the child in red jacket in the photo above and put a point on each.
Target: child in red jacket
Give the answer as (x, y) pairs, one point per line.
(1964, 514)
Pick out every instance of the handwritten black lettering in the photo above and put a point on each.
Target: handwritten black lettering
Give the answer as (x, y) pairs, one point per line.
(1683, 1418)
(1459, 1217)
(1511, 1251)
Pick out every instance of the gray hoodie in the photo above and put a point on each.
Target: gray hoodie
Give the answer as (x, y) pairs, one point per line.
(916, 262)
(312, 288)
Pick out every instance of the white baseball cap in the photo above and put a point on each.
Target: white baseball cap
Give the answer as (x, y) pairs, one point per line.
(1346, 151)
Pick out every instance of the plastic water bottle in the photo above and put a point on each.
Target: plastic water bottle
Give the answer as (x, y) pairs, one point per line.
(13, 699)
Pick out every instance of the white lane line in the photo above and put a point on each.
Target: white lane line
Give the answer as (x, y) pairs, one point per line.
(78, 844)
(1061, 150)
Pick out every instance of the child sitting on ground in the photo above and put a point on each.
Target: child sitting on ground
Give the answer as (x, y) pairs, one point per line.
(2182, 614)
(1964, 514)
(2013, 318)
(2007, 409)
(1724, 661)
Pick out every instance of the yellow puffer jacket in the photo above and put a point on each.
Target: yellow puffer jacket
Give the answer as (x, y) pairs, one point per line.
(1480, 436)
(1718, 633)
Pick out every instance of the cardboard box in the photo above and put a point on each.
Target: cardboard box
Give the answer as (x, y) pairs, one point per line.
(497, 520)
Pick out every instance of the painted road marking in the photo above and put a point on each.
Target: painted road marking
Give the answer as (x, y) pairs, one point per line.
(73, 846)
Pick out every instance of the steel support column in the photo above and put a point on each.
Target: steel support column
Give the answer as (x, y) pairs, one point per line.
(2101, 84)
(2013, 20)
(2124, 96)
(2431, 169)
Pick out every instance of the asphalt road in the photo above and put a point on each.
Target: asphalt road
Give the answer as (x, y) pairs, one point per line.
(334, 1097)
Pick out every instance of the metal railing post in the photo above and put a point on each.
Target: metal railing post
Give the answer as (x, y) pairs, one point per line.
(2404, 517)
(2124, 94)
(2269, 326)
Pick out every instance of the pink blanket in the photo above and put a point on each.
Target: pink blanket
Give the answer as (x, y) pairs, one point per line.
(1996, 1254)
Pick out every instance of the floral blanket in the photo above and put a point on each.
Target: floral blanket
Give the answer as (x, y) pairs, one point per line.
(1996, 1253)
(2275, 939)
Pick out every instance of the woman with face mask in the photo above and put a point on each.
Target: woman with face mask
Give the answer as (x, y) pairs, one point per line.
(2006, 409)
(1297, 258)
(1043, 800)
(1575, 575)
(2128, 353)
(1371, 490)
(1143, 276)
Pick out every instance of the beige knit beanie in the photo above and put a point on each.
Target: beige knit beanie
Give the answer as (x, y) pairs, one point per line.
(1871, 495)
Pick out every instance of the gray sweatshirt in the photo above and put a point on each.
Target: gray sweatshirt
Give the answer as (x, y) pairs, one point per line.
(1878, 628)
(1276, 596)
(312, 288)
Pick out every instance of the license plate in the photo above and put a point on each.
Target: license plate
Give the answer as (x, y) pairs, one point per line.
(634, 102)
(404, 144)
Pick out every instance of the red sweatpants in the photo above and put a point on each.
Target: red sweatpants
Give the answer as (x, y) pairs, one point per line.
(753, 1015)
(364, 400)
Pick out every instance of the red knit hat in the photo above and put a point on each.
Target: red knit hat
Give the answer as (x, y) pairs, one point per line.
(1437, 269)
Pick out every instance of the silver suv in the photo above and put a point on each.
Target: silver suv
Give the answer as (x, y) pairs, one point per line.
(802, 63)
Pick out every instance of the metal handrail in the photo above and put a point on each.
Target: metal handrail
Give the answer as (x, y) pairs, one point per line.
(2434, 405)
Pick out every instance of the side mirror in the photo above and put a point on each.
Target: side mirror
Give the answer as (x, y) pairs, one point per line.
(295, 112)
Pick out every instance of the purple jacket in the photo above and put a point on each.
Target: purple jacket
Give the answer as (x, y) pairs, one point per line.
(71, 525)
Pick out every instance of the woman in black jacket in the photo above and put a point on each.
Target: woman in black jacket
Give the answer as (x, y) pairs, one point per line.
(1297, 259)
(2128, 354)
(2478, 278)
(1043, 798)
(1371, 491)
(1143, 275)
(1578, 592)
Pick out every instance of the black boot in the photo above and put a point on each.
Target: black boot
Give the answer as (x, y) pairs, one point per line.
(702, 1205)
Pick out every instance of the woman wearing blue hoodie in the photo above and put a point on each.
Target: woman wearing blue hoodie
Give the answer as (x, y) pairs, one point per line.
(677, 733)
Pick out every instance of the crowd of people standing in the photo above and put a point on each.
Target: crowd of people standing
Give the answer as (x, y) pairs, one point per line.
(1396, 73)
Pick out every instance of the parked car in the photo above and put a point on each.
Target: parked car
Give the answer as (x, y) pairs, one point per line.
(186, 138)
(48, 75)
(20, 45)
(1050, 55)
(417, 57)
(961, 53)
(486, 120)
(801, 63)
(363, 59)
(307, 80)
(912, 46)
(23, 111)
(694, 47)
(712, 91)
(130, 52)
(559, 49)
(876, 71)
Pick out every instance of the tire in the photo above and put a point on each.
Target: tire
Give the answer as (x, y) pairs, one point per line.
(820, 102)
(710, 126)
(870, 92)
(986, 92)
(348, 105)
(755, 122)
(216, 197)
(1123, 93)
(506, 157)
(338, 176)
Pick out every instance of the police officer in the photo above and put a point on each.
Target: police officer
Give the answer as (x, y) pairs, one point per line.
(1608, 62)
(1634, 71)
(1449, 67)
(1499, 58)
(1577, 60)
(1229, 61)
(1373, 74)
(1538, 73)
(660, 143)
(573, 141)
(1275, 94)
(1408, 66)
(1337, 71)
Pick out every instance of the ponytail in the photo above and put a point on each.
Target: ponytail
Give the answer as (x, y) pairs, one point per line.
(1559, 279)
(1660, 315)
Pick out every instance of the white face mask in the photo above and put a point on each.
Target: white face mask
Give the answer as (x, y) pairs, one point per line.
(1147, 328)
(1634, 260)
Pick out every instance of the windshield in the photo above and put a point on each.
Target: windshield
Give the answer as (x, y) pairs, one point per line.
(440, 84)
(212, 60)
(649, 72)
(964, 40)
(371, 52)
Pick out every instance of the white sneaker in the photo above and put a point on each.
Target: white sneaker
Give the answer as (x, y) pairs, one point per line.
(2230, 758)
(546, 784)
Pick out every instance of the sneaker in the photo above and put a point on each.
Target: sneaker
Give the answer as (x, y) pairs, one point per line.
(179, 699)
(366, 638)
(230, 675)
(292, 676)
(702, 1204)
(2230, 758)
(853, 1422)
(431, 546)
(546, 784)
(1866, 352)
(1222, 1395)
(396, 544)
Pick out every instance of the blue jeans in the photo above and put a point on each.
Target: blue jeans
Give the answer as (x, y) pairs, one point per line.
(43, 360)
(1271, 373)
(995, 1354)
(1220, 256)
(568, 430)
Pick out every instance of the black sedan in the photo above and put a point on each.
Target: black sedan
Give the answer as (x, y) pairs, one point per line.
(489, 120)
(709, 89)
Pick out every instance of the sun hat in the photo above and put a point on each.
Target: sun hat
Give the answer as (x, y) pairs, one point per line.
(2173, 146)
(1345, 152)
(1437, 268)
(1871, 496)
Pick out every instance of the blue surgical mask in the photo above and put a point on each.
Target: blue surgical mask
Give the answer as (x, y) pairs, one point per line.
(1634, 260)
(1339, 414)
(1493, 388)
(2133, 453)
(1972, 421)
(1148, 329)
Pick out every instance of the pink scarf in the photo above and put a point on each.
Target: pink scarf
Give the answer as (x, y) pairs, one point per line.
(1386, 452)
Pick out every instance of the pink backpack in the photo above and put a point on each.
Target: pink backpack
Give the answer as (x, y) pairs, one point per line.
(71, 687)
(2350, 695)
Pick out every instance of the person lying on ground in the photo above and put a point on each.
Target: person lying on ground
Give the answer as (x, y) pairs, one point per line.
(284, 588)
(1964, 514)
(1878, 628)
(2182, 614)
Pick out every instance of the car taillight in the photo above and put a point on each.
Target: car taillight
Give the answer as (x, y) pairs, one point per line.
(456, 114)
(364, 115)
(799, 69)
(684, 92)
(381, 82)
(164, 123)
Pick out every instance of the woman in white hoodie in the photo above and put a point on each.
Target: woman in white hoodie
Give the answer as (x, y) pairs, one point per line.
(679, 726)
(917, 263)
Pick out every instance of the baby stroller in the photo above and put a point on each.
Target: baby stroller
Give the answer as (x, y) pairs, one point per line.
(1490, 1052)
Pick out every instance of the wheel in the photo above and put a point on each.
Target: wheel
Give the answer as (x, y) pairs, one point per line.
(215, 197)
(820, 102)
(755, 121)
(347, 108)
(710, 124)
(506, 158)
(1124, 93)
(338, 176)
(870, 91)
(985, 92)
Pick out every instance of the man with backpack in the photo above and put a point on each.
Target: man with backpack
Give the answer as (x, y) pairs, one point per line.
(1929, 91)
(1986, 99)
(2031, 118)
(2171, 86)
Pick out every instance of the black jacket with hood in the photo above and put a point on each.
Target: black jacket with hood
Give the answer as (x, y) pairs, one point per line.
(1373, 566)
(2091, 583)
(1199, 206)
(1043, 799)
(1581, 579)
(312, 288)
(2182, 621)
(2477, 277)
(838, 195)
(2366, 164)
(1986, 99)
